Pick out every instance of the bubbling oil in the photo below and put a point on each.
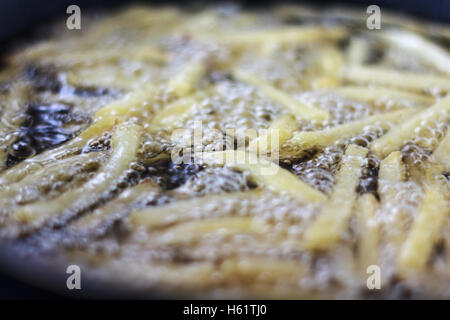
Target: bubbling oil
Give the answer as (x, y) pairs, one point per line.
(51, 108)
(43, 129)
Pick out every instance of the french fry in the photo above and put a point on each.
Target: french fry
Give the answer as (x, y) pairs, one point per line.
(132, 104)
(326, 137)
(186, 80)
(392, 171)
(417, 45)
(397, 79)
(267, 174)
(391, 174)
(332, 221)
(280, 37)
(425, 231)
(262, 269)
(442, 152)
(125, 142)
(358, 51)
(368, 232)
(165, 215)
(296, 107)
(226, 226)
(374, 95)
(278, 133)
(399, 135)
(115, 209)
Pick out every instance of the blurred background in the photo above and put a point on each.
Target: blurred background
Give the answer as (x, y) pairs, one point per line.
(17, 17)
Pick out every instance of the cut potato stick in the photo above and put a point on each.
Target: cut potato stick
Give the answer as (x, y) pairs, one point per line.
(333, 219)
(164, 215)
(266, 173)
(125, 143)
(358, 51)
(425, 231)
(397, 79)
(442, 152)
(392, 171)
(176, 111)
(104, 216)
(368, 233)
(399, 135)
(278, 133)
(224, 226)
(186, 80)
(331, 61)
(109, 76)
(391, 174)
(263, 269)
(3, 158)
(130, 105)
(323, 138)
(105, 119)
(414, 44)
(296, 107)
(71, 165)
(280, 37)
(90, 57)
(375, 95)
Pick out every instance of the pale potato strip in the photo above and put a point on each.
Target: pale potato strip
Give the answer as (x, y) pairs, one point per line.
(392, 171)
(331, 62)
(296, 107)
(442, 152)
(3, 158)
(115, 209)
(358, 51)
(368, 232)
(282, 36)
(397, 79)
(266, 174)
(186, 80)
(105, 119)
(380, 94)
(177, 111)
(333, 219)
(414, 44)
(164, 215)
(131, 104)
(108, 76)
(112, 55)
(64, 165)
(263, 269)
(399, 135)
(223, 226)
(278, 133)
(391, 174)
(125, 143)
(323, 138)
(425, 231)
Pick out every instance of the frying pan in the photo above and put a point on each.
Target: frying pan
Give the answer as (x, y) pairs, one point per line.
(25, 277)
